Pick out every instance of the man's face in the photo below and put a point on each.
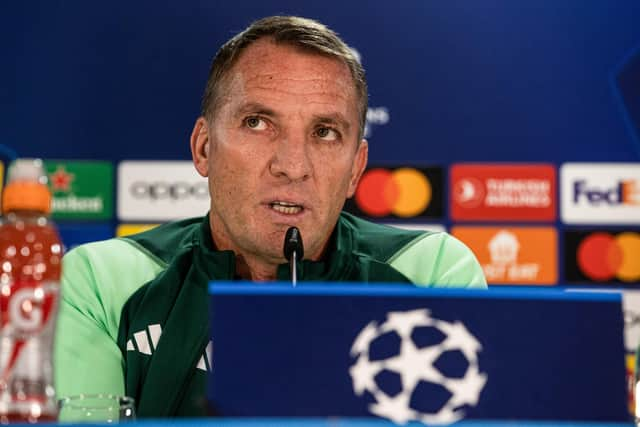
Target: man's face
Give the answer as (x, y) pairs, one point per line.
(283, 150)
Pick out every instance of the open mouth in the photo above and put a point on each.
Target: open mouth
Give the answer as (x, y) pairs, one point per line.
(286, 207)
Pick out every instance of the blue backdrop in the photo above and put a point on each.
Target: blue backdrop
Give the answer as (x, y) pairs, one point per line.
(491, 80)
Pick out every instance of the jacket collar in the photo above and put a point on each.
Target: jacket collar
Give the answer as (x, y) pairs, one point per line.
(336, 264)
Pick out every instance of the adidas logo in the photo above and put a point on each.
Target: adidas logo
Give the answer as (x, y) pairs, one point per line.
(146, 342)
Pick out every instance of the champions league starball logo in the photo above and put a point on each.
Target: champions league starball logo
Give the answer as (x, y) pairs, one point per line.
(417, 364)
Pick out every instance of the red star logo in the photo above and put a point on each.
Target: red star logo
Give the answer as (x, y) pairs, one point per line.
(61, 179)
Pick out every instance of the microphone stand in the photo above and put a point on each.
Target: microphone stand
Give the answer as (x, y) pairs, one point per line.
(293, 248)
(294, 269)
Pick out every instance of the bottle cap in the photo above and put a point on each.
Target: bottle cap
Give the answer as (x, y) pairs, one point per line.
(26, 187)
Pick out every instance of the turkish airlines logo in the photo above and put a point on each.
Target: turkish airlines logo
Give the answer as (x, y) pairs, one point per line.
(402, 192)
(513, 255)
(600, 193)
(503, 192)
(602, 256)
(469, 192)
(160, 191)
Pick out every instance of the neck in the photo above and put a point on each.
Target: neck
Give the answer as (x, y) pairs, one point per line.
(255, 270)
(249, 265)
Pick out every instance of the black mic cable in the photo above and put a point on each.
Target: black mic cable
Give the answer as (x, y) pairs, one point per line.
(293, 251)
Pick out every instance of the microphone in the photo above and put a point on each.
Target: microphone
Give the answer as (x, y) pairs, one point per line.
(293, 251)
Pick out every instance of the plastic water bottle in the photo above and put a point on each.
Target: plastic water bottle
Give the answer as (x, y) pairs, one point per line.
(30, 259)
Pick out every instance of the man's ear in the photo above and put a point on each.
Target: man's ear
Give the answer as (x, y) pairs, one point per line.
(359, 165)
(200, 146)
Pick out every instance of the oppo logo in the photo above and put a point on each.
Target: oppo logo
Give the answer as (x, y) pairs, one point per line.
(159, 190)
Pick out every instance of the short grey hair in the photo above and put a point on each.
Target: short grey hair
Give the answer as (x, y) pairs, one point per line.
(303, 33)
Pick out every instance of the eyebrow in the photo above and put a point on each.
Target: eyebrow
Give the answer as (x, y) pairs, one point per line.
(257, 108)
(335, 119)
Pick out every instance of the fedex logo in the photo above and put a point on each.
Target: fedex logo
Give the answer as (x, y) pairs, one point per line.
(600, 193)
(624, 192)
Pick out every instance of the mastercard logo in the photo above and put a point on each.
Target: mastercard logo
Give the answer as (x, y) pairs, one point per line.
(404, 192)
(604, 256)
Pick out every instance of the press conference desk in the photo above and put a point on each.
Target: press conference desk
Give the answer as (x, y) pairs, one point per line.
(344, 422)
(373, 423)
(354, 422)
(518, 329)
(524, 354)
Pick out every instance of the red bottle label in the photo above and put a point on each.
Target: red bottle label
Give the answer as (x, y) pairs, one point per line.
(27, 308)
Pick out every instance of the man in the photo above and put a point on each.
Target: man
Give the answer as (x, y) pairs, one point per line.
(280, 141)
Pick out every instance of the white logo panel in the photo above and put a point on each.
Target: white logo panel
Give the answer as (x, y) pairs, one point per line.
(600, 193)
(416, 364)
(160, 191)
(631, 310)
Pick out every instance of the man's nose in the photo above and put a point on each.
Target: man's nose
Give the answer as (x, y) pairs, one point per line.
(291, 160)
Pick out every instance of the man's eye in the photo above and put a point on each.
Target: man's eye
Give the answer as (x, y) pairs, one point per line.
(255, 123)
(327, 134)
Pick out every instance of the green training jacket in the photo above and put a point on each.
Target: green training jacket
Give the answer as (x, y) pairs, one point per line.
(133, 312)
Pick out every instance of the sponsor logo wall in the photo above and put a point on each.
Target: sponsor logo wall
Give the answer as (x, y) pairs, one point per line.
(595, 194)
(495, 196)
(506, 213)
